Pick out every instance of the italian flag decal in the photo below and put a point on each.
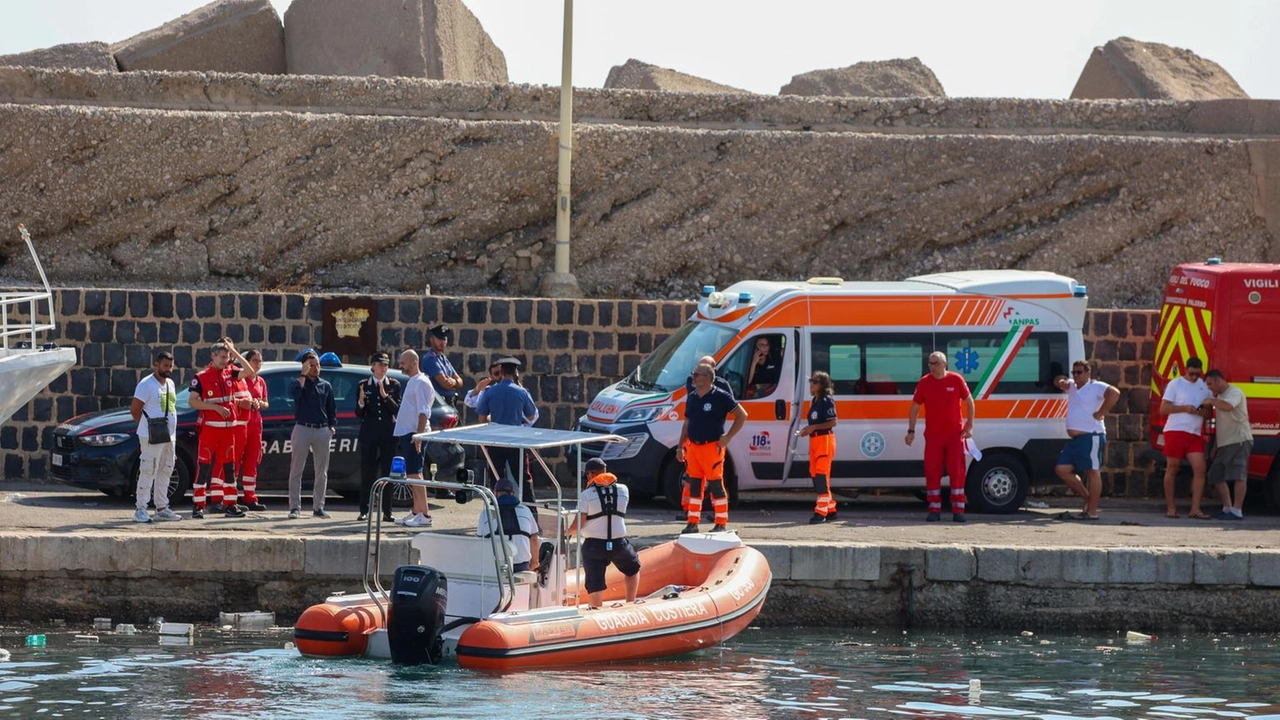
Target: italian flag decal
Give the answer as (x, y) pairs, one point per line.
(1013, 342)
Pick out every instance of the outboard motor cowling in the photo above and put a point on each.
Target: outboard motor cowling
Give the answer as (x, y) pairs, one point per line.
(416, 618)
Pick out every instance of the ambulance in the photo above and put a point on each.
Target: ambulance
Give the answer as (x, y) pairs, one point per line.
(1228, 315)
(1009, 333)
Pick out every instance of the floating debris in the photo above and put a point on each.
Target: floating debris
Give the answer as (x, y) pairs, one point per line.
(1137, 637)
(85, 639)
(126, 629)
(102, 624)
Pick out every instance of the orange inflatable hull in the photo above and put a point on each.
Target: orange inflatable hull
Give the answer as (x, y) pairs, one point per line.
(721, 594)
(336, 630)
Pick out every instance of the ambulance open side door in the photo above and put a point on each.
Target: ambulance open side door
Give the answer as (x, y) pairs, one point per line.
(797, 402)
(760, 449)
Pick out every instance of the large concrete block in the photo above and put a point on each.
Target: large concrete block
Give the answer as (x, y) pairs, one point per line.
(187, 553)
(90, 56)
(950, 564)
(1084, 565)
(1128, 68)
(1040, 564)
(779, 557)
(1175, 567)
(435, 39)
(637, 75)
(1264, 568)
(346, 557)
(118, 554)
(883, 78)
(224, 36)
(1221, 567)
(1132, 566)
(997, 564)
(824, 562)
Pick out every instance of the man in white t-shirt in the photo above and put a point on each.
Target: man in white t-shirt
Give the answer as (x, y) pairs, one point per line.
(414, 416)
(156, 397)
(1234, 443)
(1184, 435)
(1088, 401)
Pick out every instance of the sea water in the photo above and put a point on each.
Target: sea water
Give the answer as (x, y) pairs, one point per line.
(761, 674)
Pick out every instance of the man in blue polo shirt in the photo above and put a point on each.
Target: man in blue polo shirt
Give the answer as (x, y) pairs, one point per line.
(703, 440)
(436, 366)
(507, 403)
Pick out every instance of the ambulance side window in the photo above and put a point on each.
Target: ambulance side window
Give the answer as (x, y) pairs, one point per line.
(871, 363)
(1028, 368)
(750, 378)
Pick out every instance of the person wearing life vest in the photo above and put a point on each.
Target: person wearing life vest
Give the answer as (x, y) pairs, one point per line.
(213, 395)
(518, 525)
(602, 507)
(822, 445)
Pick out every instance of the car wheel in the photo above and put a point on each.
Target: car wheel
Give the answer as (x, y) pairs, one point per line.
(673, 482)
(179, 481)
(997, 484)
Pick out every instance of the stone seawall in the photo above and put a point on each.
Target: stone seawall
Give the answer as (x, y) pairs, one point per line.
(1060, 588)
(571, 350)
(213, 181)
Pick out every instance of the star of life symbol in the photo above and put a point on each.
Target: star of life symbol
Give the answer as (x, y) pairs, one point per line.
(872, 444)
(967, 360)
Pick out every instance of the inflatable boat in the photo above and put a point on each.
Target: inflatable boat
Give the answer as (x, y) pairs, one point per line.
(461, 603)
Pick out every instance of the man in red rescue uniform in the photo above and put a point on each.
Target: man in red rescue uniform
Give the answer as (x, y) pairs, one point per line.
(213, 394)
(942, 393)
(250, 395)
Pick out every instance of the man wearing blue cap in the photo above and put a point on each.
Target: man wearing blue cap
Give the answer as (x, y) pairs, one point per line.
(518, 525)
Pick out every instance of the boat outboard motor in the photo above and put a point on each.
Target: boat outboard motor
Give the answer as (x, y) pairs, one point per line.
(416, 617)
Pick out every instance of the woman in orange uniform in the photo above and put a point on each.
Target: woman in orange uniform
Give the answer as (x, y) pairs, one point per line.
(822, 445)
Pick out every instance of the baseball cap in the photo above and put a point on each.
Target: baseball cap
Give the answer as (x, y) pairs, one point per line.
(504, 486)
(441, 331)
(595, 464)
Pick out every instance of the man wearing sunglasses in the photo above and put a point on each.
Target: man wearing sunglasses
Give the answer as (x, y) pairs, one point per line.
(943, 394)
(1088, 401)
(1184, 435)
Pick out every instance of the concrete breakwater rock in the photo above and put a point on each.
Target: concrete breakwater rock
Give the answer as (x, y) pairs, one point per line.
(255, 181)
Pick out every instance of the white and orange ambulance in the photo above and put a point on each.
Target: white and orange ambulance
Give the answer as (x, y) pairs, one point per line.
(1008, 332)
(1228, 315)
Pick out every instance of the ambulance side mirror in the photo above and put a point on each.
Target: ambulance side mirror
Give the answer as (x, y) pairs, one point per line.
(780, 409)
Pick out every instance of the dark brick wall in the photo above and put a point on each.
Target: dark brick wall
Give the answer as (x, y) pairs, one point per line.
(571, 349)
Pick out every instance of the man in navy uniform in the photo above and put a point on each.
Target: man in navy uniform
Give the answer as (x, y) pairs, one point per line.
(508, 403)
(435, 364)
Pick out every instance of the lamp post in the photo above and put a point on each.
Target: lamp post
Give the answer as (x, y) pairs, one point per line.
(561, 282)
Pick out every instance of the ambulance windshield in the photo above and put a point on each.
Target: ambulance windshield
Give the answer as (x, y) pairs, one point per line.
(670, 364)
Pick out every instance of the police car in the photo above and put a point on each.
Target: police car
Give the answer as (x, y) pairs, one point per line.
(100, 450)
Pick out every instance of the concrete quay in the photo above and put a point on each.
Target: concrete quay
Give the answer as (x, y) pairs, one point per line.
(74, 555)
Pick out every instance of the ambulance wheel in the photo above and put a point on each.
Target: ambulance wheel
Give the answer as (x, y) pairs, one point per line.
(997, 484)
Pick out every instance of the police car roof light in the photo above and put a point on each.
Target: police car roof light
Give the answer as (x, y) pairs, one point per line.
(330, 359)
(1213, 261)
(744, 298)
(1080, 290)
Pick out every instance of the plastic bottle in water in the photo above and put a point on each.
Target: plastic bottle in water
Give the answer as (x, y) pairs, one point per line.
(35, 641)
(397, 468)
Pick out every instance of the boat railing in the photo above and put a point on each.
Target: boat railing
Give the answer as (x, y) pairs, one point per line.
(503, 566)
(20, 310)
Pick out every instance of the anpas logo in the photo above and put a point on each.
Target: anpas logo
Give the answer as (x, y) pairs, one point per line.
(872, 444)
(1015, 318)
(760, 442)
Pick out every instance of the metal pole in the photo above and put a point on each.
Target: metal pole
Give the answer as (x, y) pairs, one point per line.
(566, 143)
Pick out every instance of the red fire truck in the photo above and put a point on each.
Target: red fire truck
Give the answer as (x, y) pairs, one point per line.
(1228, 315)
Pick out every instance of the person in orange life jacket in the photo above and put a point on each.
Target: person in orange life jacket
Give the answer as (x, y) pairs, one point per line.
(822, 445)
(601, 509)
(518, 525)
(250, 392)
(688, 389)
(942, 393)
(212, 394)
(702, 443)
(377, 402)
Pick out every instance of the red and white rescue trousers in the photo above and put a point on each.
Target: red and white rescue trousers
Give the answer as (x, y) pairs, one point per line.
(705, 462)
(946, 450)
(248, 453)
(822, 448)
(216, 449)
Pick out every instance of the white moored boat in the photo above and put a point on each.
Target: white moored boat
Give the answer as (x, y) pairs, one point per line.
(27, 365)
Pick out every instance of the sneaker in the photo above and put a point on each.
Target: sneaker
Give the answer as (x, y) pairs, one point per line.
(167, 514)
(933, 517)
(405, 520)
(197, 513)
(254, 505)
(140, 516)
(1228, 515)
(957, 517)
(294, 514)
(719, 528)
(320, 513)
(233, 511)
(817, 519)
(690, 528)
(418, 520)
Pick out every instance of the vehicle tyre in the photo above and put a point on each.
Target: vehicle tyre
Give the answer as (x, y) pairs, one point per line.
(1272, 486)
(179, 480)
(673, 482)
(997, 484)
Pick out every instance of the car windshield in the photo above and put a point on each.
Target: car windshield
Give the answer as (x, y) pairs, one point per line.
(669, 365)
